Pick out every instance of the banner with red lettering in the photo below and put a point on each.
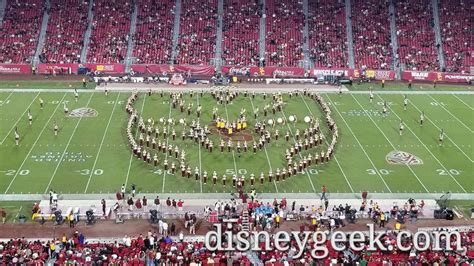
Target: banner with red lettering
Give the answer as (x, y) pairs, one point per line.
(344, 72)
(57, 69)
(380, 74)
(457, 78)
(438, 76)
(160, 69)
(73, 68)
(289, 72)
(15, 69)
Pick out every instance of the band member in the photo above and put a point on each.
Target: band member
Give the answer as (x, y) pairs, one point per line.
(223, 180)
(441, 137)
(229, 145)
(66, 110)
(210, 146)
(401, 127)
(76, 95)
(196, 173)
(165, 163)
(149, 92)
(254, 147)
(204, 177)
(222, 145)
(155, 160)
(371, 96)
(422, 117)
(41, 103)
(270, 176)
(405, 103)
(287, 136)
(277, 175)
(252, 179)
(30, 117)
(214, 178)
(17, 136)
(188, 172)
(234, 180)
(55, 128)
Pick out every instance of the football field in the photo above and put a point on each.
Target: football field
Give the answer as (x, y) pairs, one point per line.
(91, 153)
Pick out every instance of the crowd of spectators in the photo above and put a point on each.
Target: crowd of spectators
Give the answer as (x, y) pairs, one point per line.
(152, 40)
(240, 32)
(20, 31)
(456, 33)
(371, 34)
(170, 245)
(415, 33)
(284, 33)
(65, 33)
(198, 25)
(327, 33)
(110, 31)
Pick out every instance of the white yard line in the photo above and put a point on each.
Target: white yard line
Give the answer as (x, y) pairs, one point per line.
(468, 106)
(8, 97)
(19, 118)
(101, 143)
(65, 149)
(294, 139)
(264, 147)
(167, 143)
(200, 161)
(131, 153)
(427, 118)
(233, 155)
(34, 143)
(388, 140)
(439, 162)
(455, 117)
(335, 158)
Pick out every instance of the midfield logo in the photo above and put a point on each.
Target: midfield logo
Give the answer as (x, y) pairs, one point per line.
(83, 112)
(402, 157)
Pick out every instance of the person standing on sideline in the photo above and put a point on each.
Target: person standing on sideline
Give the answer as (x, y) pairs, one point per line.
(122, 191)
(103, 206)
(382, 219)
(145, 203)
(323, 192)
(133, 190)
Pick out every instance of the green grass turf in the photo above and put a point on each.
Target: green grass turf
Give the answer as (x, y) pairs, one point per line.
(44, 84)
(96, 157)
(402, 86)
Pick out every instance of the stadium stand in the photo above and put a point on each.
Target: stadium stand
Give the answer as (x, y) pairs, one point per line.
(65, 33)
(284, 36)
(110, 31)
(152, 248)
(241, 32)
(456, 32)
(371, 33)
(327, 33)
(197, 37)
(415, 34)
(20, 31)
(154, 29)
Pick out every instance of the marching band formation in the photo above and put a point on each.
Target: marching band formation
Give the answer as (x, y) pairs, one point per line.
(153, 137)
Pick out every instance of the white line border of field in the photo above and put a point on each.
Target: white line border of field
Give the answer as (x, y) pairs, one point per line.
(468, 106)
(34, 143)
(264, 146)
(65, 149)
(452, 141)
(449, 112)
(19, 118)
(439, 162)
(131, 153)
(391, 144)
(101, 143)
